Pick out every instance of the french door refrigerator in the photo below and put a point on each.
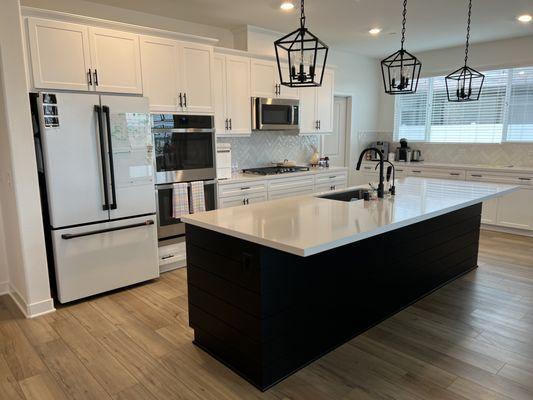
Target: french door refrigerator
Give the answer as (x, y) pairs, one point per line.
(98, 167)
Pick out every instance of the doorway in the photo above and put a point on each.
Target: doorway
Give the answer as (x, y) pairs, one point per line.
(335, 144)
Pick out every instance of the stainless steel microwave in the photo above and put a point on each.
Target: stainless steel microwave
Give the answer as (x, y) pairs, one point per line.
(275, 114)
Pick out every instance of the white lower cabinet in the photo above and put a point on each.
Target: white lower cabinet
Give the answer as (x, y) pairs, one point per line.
(241, 200)
(515, 211)
(280, 188)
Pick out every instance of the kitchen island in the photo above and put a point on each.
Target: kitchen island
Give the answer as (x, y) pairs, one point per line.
(275, 285)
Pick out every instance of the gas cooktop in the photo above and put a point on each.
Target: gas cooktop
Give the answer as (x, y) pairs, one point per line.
(274, 170)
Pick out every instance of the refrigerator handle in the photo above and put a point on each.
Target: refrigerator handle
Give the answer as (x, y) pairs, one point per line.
(111, 162)
(100, 122)
(68, 236)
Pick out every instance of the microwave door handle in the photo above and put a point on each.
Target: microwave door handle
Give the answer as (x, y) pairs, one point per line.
(100, 122)
(111, 161)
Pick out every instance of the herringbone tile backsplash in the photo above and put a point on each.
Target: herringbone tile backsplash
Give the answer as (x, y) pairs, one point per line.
(262, 148)
(465, 153)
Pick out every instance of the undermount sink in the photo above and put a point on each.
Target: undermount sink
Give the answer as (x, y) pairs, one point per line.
(350, 195)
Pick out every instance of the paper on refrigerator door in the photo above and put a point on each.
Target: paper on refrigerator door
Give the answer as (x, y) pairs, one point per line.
(130, 131)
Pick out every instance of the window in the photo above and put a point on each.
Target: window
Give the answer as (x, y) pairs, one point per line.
(504, 111)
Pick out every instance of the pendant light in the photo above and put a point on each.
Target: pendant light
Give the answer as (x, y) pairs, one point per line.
(401, 70)
(465, 83)
(301, 56)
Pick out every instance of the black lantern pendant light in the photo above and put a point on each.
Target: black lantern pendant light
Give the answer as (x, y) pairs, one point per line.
(305, 56)
(465, 83)
(401, 70)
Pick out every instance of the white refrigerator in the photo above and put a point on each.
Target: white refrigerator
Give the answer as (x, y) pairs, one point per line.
(98, 166)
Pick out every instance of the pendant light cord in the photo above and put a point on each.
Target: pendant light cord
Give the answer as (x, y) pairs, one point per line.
(468, 31)
(302, 14)
(404, 14)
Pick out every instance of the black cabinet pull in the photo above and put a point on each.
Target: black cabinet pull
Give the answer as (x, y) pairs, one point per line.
(477, 176)
(113, 205)
(230, 125)
(100, 124)
(226, 124)
(524, 179)
(90, 77)
(95, 77)
(454, 174)
(319, 124)
(245, 187)
(181, 100)
(185, 100)
(69, 236)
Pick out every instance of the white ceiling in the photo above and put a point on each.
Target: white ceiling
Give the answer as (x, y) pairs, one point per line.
(344, 24)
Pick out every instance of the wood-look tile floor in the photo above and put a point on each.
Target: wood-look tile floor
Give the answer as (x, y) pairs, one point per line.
(472, 339)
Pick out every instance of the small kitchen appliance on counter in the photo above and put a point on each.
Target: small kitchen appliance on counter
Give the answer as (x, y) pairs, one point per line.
(223, 161)
(416, 156)
(403, 153)
(383, 147)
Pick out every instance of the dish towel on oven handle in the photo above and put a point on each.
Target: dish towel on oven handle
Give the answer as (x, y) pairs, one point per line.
(198, 197)
(180, 200)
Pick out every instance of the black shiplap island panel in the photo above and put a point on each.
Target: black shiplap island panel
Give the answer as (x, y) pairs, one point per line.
(266, 313)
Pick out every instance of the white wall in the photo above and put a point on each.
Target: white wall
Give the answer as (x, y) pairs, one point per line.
(516, 52)
(355, 75)
(19, 189)
(86, 8)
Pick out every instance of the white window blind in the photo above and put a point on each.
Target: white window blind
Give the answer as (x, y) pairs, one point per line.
(504, 111)
(520, 121)
(411, 113)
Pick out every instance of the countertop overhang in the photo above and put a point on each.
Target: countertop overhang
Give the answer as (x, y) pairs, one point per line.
(307, 225)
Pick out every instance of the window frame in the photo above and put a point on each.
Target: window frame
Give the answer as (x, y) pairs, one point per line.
(429, 111)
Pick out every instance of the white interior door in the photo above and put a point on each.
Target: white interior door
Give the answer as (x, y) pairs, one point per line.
(219, 77)
(74, 177)
(116, 59)
(197, 79)
(334, 145)
(238, 99)
(52, 44)
(160, 73)
(265, 77)
(131, 156)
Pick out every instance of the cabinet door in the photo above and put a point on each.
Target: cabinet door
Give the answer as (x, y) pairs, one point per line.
(116, 60)
(265, 78)
(160, 72)
(490, 211)
(325, 103)
(197, 78)
(233, 201)
(219, 78)
(256, 198)
(514, 209)
(238, 99)
(51, 44)
(308, 120)
(287, 92)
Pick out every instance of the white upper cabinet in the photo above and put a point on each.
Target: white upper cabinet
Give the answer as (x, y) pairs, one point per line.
(116, 61)
(51, 44)
(232, 95)
(286, 92)
(324, 103)
(177, 77)
(316, 106)
(265, 80)
(160, 72)
(197, 79)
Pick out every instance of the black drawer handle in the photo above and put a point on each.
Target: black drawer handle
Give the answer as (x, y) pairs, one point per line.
(417, 172)
(524, 179)
(477, 176)
(68, 236)
(245, 188)
(454, 174)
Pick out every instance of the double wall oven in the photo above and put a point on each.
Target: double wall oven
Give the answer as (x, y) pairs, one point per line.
(184, 152)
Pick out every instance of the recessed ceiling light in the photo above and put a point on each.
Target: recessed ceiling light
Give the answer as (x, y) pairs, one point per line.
(524, 18)
(374, 31)
(287, 5)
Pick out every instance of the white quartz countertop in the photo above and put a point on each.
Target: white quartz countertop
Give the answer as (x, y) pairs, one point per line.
(240, 177)
(307, 225)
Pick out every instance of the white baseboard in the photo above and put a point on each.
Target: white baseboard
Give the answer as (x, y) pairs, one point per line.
(172, 266)
(4, 288)
(503, 229)
(34, 309)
